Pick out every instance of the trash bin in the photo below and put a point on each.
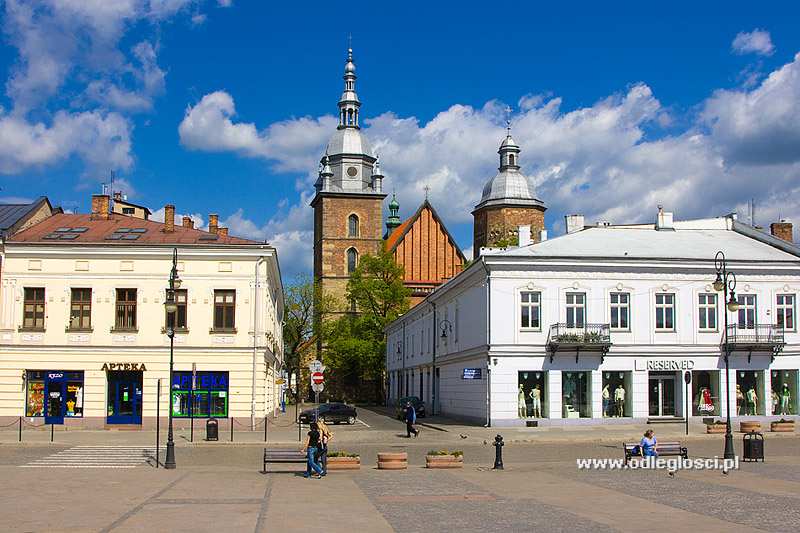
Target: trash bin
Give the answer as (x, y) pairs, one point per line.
(212, 429)
(753, 446)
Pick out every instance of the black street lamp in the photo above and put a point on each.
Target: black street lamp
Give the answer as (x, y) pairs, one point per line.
(726, 282)
(171, 306)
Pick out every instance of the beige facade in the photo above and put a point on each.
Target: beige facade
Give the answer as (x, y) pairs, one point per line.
(99, 351)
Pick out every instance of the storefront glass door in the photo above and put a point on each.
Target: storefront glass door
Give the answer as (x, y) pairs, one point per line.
(124, 398)
(661, 395)
(54, 387)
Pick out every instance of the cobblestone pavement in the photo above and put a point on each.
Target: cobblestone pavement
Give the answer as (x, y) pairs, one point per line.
(220, 488)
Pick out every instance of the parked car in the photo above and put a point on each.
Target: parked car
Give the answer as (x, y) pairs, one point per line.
(419, 407)
(331, 413)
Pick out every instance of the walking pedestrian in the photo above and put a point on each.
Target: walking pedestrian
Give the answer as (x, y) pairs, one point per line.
(310, 447)
(325, 438)
(411, 419)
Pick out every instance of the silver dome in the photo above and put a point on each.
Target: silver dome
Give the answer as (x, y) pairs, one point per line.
(349, 141)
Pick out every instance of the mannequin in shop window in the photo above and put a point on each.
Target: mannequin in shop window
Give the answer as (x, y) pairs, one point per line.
(775, 401)
(752, 402)
(619, 400)
(606, 401)
(704, 403)
(739, 399)
(522, 408)
(786, 399)
(536, 396)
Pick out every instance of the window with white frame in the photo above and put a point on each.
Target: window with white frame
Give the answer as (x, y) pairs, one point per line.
(747, 311)
(784, 312)
(620, 310)
(576, 309)
(665, 312)
(530, 310)
(707, 312)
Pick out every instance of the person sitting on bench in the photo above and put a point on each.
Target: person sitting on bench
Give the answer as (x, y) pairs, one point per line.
(649, 444)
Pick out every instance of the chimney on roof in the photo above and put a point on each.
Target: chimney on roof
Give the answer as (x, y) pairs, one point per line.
(213, 223)
(542, 235)
(188, 222)
(222, 232)
(118, 196)
(664, 219)
(524, 236)
(574, 223)
(100, 206)
(169, 218)
(782, 230)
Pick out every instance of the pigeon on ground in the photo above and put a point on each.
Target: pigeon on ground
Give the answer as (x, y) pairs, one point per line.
(671, 473)
(463, 436)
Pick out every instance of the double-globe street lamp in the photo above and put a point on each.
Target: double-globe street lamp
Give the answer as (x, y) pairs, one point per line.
(726, 283)
(171, 306)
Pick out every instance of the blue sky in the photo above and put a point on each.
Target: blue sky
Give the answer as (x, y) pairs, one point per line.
(225, 106)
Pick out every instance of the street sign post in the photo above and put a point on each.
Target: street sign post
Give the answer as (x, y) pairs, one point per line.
(317, 378)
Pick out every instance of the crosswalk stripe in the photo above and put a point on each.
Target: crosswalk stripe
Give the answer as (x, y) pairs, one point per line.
(95, 457)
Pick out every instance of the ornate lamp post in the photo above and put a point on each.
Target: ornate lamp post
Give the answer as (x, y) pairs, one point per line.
(726, 283)
(171, 306)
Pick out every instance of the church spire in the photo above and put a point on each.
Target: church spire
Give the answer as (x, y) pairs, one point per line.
(394, 218)
(509, 151)
(349, 102)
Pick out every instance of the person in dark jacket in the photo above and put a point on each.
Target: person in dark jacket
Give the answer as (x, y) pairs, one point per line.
(310, 447)
(411, 419)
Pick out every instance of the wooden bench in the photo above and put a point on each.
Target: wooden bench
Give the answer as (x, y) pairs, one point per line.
(663, 449)
(272, 455)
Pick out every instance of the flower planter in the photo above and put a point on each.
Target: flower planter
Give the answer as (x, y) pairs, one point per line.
(444, 461)
(393, 461)
(344, 463)
(747, 427)
(782, 427)
(715, 428)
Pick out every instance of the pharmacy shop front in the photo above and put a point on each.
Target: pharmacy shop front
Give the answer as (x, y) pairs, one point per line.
(535, 391)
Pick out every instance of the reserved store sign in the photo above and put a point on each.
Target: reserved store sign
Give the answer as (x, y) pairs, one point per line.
(664, 364)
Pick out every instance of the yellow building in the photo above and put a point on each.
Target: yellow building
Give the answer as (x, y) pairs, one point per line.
(83, 329)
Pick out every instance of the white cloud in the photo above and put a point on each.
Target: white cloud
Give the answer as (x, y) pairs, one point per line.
(224, 3)
(754, 42)
(102, 140)
(292, 143)
(71, 75)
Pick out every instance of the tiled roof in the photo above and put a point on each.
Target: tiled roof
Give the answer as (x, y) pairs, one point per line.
(400, 231)
(116, 230)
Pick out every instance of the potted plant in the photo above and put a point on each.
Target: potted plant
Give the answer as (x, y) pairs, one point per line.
(343, 461)
(444, 459)
(746, 426)
(782, 426)
(392, 460)
(717, 426)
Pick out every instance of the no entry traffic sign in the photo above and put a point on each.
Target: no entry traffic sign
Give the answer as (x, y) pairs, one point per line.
(317, 378)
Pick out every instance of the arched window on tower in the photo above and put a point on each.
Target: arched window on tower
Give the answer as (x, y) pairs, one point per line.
(510, 159)
(352, 226)
(352, 260)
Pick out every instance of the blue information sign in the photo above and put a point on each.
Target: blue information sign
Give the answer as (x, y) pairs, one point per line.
(472, 373)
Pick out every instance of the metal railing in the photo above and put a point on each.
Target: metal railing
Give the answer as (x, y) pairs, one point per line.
(563, 334)
(757, 335)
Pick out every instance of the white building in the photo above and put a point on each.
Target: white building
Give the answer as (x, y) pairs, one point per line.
(555, 332)
(83, 328)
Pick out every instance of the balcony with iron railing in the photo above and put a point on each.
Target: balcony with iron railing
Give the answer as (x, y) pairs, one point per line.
(590, 337)
(758, 337)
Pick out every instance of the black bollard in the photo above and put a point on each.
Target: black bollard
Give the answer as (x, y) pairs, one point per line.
(498, 453)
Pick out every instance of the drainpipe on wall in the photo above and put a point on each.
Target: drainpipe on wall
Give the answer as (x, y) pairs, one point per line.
(488, 343)
(433, 370)
(255, 351)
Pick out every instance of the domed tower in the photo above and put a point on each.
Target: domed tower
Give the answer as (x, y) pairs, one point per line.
(394, 218)
(508, 202)
(348, 216)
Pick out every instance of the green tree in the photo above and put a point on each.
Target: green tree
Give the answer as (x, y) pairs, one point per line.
(356, 342)
(304, 305)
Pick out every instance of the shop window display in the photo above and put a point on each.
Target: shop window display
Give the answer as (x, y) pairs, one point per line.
(784, 392)
(532, 394)
(705, 393)
(66, 393)
(616, 394)
(749, 387)
(576, 394)
(208, 397)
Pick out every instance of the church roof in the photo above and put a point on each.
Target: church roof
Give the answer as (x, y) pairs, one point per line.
(400, 232)
(349, 141)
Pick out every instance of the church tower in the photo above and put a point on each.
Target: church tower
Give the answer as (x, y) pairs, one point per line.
(507, 203)
(349, 196)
